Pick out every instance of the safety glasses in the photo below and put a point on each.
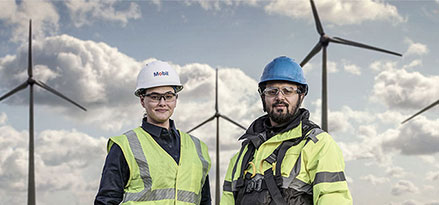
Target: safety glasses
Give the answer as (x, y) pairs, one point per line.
(287, 91)
(156, 97)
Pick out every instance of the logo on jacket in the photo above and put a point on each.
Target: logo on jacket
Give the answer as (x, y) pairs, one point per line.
(161, 73)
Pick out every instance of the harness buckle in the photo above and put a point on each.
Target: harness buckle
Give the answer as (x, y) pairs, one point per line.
(254, 184)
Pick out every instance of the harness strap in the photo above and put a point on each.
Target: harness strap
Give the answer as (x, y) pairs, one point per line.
(273, 188)
(244, 165)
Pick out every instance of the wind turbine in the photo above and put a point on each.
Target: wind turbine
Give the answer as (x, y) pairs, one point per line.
(217, 115)
(323, 44)
(30, 82)
(423, 110)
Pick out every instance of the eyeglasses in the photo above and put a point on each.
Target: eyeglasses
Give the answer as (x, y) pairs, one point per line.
(286, 91)
(156, 97)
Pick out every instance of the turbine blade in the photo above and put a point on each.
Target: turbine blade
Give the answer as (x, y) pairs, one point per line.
(360, 45)
(423, 110)
(29, 54)
(18, 88)
(41, 84)
(230, 120)
(311, 54)
(210, 119)
(317, 19)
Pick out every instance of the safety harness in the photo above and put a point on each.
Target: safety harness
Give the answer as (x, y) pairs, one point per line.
(251, 182)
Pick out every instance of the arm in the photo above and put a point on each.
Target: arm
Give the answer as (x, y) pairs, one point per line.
(325, 165)
(205, 193)
(227, 198)
(114, 178)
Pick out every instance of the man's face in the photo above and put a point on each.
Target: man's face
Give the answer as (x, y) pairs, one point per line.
(281, 106)
(158, 110)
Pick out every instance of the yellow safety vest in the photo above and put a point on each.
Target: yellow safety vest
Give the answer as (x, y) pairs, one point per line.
(316, 168)
(155, 177)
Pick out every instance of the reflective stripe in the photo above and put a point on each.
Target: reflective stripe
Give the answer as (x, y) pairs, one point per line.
(159, 194)
(329, 177)
(313, 134)
(227, 186)
(286, 181)
(188, 196)
(137, 150)
(154, 195)
(200, 155)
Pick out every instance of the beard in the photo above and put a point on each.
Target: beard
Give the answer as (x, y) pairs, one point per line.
(280, 117)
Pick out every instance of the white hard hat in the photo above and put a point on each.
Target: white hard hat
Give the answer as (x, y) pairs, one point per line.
(155, 74)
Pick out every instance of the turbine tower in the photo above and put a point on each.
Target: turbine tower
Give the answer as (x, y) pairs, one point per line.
(217, 115)
(423, 110)
(323, 44)
(31, 82)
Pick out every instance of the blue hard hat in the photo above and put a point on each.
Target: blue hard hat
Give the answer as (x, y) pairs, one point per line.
(285, 69)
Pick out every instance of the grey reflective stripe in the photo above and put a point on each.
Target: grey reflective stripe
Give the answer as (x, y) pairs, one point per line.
(286, 181)
(329, 177)
(227, 186)
(204, 162)
(139, 156)
(313, 134)
(188, 196)
(154, 195)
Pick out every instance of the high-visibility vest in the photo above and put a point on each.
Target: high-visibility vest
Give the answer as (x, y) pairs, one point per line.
(155, 177)
(315, 168)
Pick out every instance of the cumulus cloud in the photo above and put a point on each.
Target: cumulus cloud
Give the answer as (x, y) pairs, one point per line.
(399, 88)
(353, 69)
(95, 75)
(414, 48)
(404, 187)
(433, 176)
(84, 12)
(395, 172)
(335, 12)
(16, 15)
(67, 163)
(419, 137)
(374, 179)
(217, 5)
(3, 118)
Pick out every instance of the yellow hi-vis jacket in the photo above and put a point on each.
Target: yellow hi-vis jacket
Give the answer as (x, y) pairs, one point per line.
(155, 177)
(316, 168)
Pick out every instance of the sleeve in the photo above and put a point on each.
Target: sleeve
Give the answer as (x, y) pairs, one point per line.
(115, 176)
(325, 165)
(227, 198)
(205, 193)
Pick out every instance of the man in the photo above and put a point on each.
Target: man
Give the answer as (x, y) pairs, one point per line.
(285, 158)
(156, 163)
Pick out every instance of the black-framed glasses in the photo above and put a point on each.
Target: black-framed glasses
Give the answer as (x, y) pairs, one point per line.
(287, 91)
(156, 97)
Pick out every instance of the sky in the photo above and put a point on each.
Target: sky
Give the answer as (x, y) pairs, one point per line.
(91, 51)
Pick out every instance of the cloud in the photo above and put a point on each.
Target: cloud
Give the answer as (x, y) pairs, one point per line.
(217, 5)
(433, 203)
(67, 165)
(395, 172)
(353, 69)
(84, 12)
(401, 89)
(16, 15)
(404, 187)
(419, 137)
(433, 176)
(3, 118)
(95, 75)
(418, 49)
(332, 67)
(374, 179)
(335, 12)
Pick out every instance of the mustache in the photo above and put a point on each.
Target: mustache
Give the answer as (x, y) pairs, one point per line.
(280, 103)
